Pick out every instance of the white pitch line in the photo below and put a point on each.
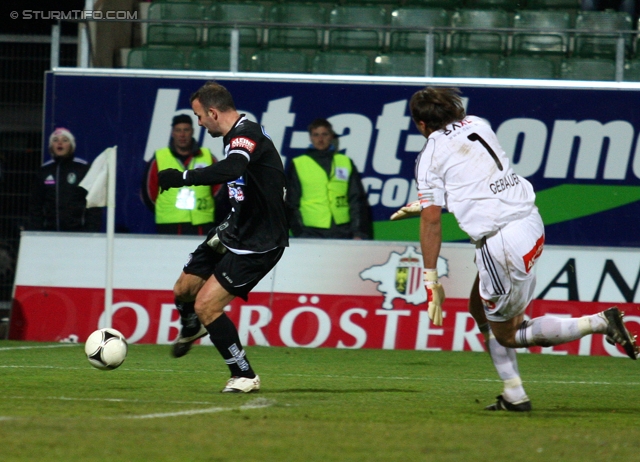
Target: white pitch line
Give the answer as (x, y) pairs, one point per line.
(121, 368)
(108, 400)
(211, 410)
(258, 403)
(14, 366)
(347, 377)
(35, 347)
(431, 378)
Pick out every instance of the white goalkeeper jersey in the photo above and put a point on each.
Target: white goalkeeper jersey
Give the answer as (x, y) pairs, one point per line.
(464, 169)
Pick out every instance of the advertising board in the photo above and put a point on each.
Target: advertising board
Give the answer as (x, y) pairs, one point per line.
(576, 144)
(323, 293)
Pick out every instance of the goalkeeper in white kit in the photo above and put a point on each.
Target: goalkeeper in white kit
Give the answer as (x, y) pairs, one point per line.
(463, 168)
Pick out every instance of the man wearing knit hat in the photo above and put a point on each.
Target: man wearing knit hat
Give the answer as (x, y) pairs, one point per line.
(58, 203)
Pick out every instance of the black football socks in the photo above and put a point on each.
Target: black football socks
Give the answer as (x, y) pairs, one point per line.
(224, 336)
(188, 318)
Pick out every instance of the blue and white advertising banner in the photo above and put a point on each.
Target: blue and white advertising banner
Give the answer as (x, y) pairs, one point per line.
(577, 145)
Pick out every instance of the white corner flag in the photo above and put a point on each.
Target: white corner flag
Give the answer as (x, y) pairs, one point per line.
(95, 181)
(100, 183)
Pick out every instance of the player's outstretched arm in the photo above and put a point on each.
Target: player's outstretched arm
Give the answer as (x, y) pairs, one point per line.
(226, 170)
(170, 178)
(229, 169)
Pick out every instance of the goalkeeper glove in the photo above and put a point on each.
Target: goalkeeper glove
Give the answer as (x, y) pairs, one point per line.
(408, 211)
(435, 295)
(170, 178)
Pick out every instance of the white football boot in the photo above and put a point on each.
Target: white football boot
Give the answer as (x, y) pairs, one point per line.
(242, 385)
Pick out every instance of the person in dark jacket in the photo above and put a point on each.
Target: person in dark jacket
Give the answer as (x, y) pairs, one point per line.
(325, 196)
(58, 203)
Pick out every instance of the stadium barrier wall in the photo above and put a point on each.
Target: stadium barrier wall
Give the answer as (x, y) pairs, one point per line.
(323, 293)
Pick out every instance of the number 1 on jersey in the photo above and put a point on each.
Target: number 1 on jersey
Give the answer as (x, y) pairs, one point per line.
(476, 137)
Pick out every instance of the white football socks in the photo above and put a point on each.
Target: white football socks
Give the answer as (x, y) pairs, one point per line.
(506, 364)
(550, 330)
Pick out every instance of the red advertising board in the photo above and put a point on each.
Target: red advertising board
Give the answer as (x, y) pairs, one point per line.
(322, 294)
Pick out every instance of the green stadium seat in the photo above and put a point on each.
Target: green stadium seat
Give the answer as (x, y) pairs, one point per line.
(547, 41)
(385, 3)
(632, 70)
(177, 10)
(448, 4)
(554, 4)
(358, 36)
(464, 66)
(337, 62)
(508, 5)
(400, 64)
(471, 41)
(402, 40)
(157, 58)
(588, 69)
(250, 36)
(599, 46)
(297, 13)
(283, 61)
(170, 34)
(526, 67)
(215, 59)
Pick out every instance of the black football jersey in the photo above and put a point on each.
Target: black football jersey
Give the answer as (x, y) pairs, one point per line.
(257, 221)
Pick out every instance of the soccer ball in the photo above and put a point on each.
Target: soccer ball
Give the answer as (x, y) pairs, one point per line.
(106, 349)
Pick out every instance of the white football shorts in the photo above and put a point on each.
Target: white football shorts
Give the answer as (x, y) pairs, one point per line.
(505, 263)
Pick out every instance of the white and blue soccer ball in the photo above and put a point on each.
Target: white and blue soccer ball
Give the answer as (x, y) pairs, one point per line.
(106, 349)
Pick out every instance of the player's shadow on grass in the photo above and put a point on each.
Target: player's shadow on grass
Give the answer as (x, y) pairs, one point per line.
(342, 391)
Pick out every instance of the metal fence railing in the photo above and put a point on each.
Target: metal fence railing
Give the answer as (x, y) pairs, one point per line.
(625, 40)
(23, 62)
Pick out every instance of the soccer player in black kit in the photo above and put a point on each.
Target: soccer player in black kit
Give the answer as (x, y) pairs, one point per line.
(238, 253)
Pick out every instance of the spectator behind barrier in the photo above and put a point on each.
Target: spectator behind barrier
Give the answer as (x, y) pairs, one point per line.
(58, 203)
(186, 210)
(325, 196)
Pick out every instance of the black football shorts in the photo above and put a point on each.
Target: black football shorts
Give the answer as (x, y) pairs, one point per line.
(238, 274)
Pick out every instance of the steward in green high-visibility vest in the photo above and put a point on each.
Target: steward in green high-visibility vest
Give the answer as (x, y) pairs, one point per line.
(189, 204)
(325, 196)
(187, 210)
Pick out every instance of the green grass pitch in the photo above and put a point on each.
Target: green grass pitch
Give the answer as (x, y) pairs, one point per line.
(315, 405)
